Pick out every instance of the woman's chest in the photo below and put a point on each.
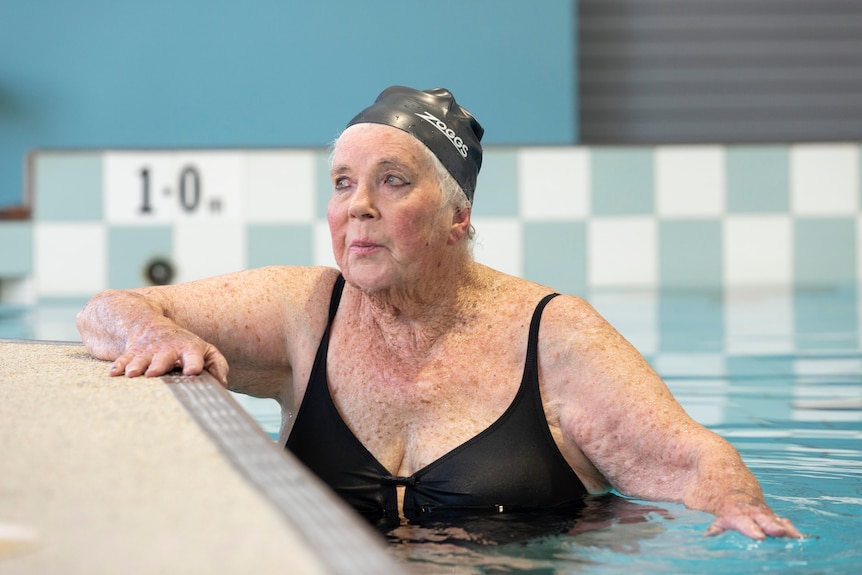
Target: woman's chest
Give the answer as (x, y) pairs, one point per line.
(409, 411)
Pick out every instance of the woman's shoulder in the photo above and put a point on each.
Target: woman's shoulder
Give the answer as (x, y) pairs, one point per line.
(289, 296)
(296, 284)
(526, 293)
(304, 289)
(564, 317)
(296, 277)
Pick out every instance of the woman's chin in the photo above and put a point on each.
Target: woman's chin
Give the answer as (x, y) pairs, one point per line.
(368, 278)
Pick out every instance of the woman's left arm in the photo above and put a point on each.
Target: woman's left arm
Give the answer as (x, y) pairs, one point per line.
(616, 410)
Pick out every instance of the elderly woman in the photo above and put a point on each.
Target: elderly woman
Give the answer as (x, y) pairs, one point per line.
(415, 380)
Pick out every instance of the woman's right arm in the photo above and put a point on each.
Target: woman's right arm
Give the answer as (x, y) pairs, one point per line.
(242, 319)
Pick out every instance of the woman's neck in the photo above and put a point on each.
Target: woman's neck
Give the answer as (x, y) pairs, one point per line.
(412, 318)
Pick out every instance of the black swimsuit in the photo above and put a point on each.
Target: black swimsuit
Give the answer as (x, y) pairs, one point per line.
(512, 465)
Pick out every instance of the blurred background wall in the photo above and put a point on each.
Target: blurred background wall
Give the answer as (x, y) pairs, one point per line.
(629, 143)
(263, 73)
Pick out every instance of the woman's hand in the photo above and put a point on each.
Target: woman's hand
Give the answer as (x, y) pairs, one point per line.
(247, 318)
(161, 346)
(754, 519)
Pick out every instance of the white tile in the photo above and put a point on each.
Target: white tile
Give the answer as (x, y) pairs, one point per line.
(322, 249)
(689, 181)
(758, 250)
(56, 322)
(622, 252)
(824, 179)
(822, 367)
(821, 416)
(17, 291)
(859, 308)
(706, 412)
(859, 253)
(698, 383)
(137, 187)
(759, 320)
(208, 248)
(499, 244)
(70, 259)
(690, 365)
(279, 186)
(632, 313)
(218, 176)
(153, 188)
(554, 183)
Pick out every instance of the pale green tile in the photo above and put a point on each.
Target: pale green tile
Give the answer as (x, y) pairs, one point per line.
(555, 254)
(824, 251)
(279, 244)
(16, 249)
(622, 181)
(826, 319)
(130, 251)
(690, 254)
(497, 187)
(67, 186)
(758, 179)
(323, 185)
(753, 367)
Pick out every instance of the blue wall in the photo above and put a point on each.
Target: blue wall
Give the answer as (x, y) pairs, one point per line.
(258, 73)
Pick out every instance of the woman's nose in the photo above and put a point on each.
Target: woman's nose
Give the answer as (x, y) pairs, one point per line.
(362, 203)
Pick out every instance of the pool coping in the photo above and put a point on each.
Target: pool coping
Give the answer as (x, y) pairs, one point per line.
(341, 541)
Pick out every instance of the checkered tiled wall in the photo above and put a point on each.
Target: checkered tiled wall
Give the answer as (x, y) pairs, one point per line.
(575, 218)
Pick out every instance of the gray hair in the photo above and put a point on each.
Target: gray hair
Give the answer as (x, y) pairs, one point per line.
(452, 193)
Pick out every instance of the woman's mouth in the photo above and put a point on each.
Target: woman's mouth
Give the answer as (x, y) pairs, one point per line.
(363, 247)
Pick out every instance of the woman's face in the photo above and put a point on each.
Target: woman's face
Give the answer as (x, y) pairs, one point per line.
(385, 215)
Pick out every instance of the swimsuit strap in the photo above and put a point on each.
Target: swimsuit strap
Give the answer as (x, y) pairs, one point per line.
(533, 341)
(335, 298)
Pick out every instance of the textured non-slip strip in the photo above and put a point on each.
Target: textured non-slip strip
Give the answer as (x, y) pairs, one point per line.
(342, 542)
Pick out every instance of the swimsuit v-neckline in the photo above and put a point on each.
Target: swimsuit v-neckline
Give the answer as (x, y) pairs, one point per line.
(513, 463)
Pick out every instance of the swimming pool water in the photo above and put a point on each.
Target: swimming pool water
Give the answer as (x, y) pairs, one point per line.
(776, 372)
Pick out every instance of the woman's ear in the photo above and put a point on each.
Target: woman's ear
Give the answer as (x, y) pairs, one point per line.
(460, 224)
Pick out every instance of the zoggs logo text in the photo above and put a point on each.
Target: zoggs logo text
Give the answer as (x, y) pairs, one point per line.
(449, 133)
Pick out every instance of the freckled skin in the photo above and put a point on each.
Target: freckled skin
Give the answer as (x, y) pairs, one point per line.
(428, 346)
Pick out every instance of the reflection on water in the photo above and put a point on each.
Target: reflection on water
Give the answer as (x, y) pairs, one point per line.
(512, 542)
(499, 529)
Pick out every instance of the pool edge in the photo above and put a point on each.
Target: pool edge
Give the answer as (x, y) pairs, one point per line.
(341, 540)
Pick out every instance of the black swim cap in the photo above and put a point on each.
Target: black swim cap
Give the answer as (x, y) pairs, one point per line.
(435, 119)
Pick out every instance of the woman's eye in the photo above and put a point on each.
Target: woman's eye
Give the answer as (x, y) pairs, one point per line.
(394, 181)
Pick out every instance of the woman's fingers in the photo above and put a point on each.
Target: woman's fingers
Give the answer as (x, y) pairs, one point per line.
(216, 364)
(191, 359)
(744, 525)
(775, 526)
(756, 524)
(118, 367)
(136, 365)
(163, 362)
